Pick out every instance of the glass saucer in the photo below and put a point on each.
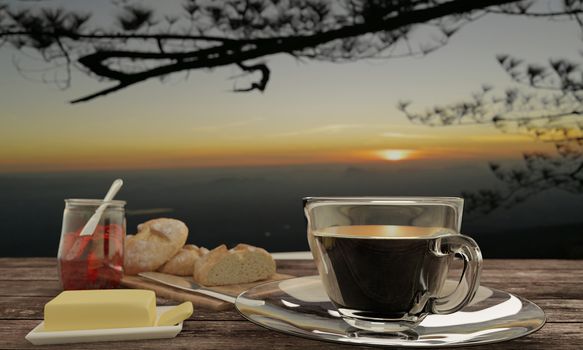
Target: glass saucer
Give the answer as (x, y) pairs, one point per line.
(300, 306)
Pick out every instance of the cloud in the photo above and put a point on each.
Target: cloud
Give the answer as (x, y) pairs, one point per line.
(225, 126)
(325, 129)
(497, 138)
(402, 135)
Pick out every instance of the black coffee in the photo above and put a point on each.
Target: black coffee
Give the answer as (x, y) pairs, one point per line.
(381, 271)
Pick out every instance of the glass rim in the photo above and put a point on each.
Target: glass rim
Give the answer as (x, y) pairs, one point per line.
(386, 199)
(94, 202)
(453, 202)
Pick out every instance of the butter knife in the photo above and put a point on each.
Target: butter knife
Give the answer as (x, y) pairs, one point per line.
(187, 285)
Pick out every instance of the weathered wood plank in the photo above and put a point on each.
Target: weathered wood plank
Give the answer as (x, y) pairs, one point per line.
(562, 310)
(525, 264)
(503, 264)
(530, 289)
(49, 272)
(540, 290)
(555, 285)
(551, 336)
(29, 288)
(245, 335)
(45, 269)
(12, 269)
(40, 273)
(28, 262)
(506, 264)
(31, 308)
(489, 274)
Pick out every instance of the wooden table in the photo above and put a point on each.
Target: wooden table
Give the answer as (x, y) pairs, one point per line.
(26, 284)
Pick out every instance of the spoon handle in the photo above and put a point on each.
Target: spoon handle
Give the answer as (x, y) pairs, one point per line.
(91, 224)
(115, 186)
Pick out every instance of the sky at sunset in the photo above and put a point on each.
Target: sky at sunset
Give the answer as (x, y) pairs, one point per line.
(311, 112)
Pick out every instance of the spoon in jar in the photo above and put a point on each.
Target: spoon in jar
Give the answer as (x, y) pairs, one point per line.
(91, 224)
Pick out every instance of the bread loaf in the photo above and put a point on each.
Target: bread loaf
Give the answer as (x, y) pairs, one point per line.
(155, 243)
(242, 264)
(182, 264)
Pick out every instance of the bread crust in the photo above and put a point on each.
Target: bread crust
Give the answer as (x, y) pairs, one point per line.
(155, 243)
(245, 263)
(202, 265)
(182, 264)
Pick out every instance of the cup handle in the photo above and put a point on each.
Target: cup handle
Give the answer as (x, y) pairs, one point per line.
(467, 248)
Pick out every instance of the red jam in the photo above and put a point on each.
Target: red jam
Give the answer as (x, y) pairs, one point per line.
(94, 261)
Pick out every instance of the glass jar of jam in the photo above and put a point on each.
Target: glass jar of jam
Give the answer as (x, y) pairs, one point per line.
(93, 261)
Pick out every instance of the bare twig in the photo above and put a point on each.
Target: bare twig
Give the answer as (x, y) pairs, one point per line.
(262, 83)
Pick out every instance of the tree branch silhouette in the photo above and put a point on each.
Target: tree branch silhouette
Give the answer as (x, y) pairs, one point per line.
(214, 34)
(262, 84)
(546, 106)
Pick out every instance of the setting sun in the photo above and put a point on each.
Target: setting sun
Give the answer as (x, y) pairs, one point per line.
(395, 154)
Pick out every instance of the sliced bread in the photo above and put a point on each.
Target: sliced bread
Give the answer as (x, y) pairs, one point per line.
(242, 264)
(182, 264)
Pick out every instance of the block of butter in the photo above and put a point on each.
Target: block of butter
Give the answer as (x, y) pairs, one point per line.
(99, 309)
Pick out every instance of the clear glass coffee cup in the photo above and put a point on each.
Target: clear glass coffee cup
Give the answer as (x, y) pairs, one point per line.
(94, 261)
(384, 260)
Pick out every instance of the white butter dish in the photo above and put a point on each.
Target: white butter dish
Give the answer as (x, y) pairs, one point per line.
(38, 336)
